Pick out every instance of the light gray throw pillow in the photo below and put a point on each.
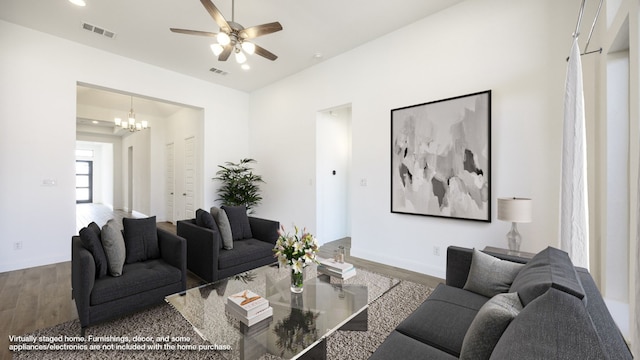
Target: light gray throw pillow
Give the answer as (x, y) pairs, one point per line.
(489, 276)
(114, 249)
(220, 216)
(489, 325)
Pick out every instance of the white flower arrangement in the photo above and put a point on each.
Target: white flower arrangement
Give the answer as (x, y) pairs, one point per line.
(296, 251)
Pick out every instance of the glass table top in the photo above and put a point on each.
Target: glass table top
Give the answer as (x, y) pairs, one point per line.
(299, 321)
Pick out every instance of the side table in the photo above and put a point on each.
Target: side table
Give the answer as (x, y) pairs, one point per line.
(522, 254)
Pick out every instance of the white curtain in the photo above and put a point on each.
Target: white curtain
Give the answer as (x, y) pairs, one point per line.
(574, 216)
(635, 308)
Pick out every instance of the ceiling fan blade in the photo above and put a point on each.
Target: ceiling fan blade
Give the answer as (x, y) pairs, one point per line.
(193, 32)
(265, 53)
(259, 30)
(216, 15)
(225, 53)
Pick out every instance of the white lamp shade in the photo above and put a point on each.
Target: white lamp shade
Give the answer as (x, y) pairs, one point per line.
(240, 57)
(118, 121)
(519, 210)
(217, 49)
(249, 47)
(223, 39)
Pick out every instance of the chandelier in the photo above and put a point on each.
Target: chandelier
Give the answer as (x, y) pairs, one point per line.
(131, 124)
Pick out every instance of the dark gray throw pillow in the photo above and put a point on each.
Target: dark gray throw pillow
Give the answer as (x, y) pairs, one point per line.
(489, 275)
(91, 241)
(220, 216)
(141, 239)
(113, 244)
(550, 268)
(205, 219)
(240, 228)
(489, 325)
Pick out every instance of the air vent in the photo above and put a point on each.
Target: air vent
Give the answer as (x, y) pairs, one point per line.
(218, 72)
(98, 30)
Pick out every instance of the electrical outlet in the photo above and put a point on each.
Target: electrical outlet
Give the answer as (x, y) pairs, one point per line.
(17, 245)
(436, 250)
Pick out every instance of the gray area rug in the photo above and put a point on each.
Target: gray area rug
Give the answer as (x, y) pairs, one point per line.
(385, 314)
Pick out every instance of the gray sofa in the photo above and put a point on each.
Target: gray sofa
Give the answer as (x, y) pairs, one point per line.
(563, 316)
(142, 283)
(208, 259)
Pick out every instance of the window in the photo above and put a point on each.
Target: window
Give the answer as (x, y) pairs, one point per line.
(84, 181)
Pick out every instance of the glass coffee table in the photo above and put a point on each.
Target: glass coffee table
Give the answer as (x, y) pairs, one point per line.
(300, 322)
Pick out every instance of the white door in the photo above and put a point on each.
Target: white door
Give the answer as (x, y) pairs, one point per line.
(170, 182)
(189, 178)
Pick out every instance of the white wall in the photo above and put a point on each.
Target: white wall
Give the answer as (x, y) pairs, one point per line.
(515, 48)
(39, 74)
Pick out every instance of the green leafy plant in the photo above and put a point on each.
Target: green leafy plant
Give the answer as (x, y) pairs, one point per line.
(239, 184)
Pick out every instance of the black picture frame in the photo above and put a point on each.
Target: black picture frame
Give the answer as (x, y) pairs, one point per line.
(441, 158)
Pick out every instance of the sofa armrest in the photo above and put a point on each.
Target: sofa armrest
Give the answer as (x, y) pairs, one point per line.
(458, 264)
(83, 277)
(264, 230)
(173, 250)
(203, 249)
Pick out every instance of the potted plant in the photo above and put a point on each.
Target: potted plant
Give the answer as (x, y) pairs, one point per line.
(239, 184)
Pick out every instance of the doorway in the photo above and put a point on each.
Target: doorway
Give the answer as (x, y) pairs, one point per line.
(333, 173)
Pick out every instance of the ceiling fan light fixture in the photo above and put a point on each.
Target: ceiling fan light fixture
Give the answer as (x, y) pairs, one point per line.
(223, 38)
(249, 47)
(217, 49)
(118, 121)
(241, 58)
(78, 2)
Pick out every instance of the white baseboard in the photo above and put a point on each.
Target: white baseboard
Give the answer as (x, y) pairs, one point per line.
(423, 268)
(29, 263)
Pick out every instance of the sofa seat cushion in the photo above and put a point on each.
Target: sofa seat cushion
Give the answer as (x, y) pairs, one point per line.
(244, 251)
(444, 318)
(400, 346)
(136, 278)
(555, 325)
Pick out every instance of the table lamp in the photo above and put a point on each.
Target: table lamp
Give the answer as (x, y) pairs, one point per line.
(516, 210)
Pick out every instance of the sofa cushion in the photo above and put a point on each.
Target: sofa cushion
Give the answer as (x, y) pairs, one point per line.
(114, 249)
(220, 216)
(136, 278)
(550, 268)
(489, 275)
(243, 252)
(400, 346)
(205, 219)
(239, 221)
(608, 331)
(452, 309)
(141, 239)
(487, 327)
(555, 325)
(91, 241)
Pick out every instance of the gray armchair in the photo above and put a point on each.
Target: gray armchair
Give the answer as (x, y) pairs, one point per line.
(141, 284)
(207, 258)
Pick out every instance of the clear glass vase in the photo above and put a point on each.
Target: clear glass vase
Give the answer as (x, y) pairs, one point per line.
(296, 281)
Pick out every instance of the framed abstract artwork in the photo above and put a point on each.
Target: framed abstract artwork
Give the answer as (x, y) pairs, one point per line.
(441, 158)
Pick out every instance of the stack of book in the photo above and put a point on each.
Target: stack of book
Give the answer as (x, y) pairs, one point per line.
(341, 270)
(248, 307)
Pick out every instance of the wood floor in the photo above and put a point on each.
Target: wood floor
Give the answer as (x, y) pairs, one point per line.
(40, 297)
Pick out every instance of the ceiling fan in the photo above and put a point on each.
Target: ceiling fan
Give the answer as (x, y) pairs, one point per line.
(233, 37)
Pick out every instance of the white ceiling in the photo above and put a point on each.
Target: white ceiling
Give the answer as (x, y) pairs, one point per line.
(327, 27)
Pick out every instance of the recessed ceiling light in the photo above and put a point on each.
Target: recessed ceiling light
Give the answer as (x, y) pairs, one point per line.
(318, 55)
(78, 2)
(95, 121)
